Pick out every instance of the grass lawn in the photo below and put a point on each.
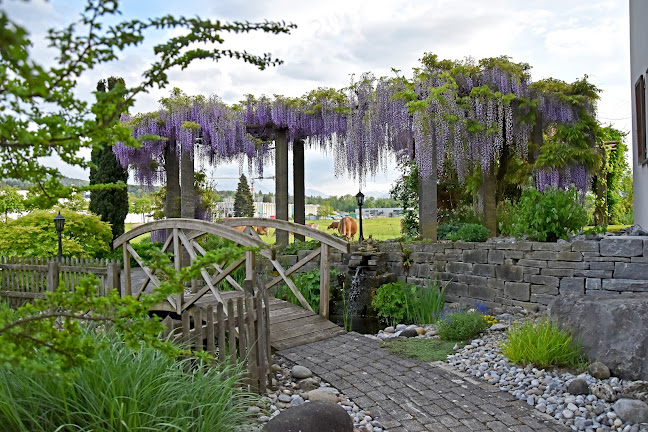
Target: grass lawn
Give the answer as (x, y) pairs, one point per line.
(426, 350)
(380, 228)
(129, 226)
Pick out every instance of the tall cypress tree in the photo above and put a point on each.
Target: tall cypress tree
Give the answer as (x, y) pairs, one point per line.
(110, 204)
(243, 201)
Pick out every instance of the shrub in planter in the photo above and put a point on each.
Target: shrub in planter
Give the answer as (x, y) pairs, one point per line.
(448, 228)
(399, 302)
(549, 215)
(470, 233)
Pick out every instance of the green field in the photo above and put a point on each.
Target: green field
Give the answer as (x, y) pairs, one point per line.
(379, 228)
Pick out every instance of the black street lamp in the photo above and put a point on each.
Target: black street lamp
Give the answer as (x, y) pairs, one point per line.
(360, 200)
(59, 223)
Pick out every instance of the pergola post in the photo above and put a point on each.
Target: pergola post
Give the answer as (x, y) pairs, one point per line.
(281, 183)
(427, 192)
(298, 184)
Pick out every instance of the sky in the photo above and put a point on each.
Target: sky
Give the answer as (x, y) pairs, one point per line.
(338, 39)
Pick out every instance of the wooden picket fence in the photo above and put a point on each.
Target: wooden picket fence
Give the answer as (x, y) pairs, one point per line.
(24, 279)
(235, 331)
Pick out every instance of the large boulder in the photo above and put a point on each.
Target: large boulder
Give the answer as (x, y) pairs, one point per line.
(311, 417)
(612, 329)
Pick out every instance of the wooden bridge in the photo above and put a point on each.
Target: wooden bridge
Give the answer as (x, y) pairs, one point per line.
(289, 325)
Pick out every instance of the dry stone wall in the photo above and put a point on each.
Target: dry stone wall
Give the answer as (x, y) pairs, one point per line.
(526, 274)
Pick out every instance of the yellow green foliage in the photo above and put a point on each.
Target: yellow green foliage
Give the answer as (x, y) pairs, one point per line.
(34, 235)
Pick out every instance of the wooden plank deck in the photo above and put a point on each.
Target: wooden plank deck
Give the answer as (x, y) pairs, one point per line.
(290, 325)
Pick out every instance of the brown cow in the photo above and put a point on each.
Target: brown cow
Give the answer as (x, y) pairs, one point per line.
(262, 230)
(348, 228)
(334, 225)
(312, 225)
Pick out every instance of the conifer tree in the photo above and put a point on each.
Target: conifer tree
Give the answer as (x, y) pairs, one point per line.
(111, 204)
(243, 201)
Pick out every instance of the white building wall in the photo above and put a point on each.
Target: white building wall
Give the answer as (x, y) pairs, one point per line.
(638, 66)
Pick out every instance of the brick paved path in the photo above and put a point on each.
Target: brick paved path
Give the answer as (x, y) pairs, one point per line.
(407, 395)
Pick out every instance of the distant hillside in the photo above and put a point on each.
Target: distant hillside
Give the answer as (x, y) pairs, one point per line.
(21, 184)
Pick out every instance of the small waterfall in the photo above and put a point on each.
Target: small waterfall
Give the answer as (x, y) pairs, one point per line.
(366, 272)
(356, 307)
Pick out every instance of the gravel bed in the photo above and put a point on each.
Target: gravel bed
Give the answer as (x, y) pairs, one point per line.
(546, 390)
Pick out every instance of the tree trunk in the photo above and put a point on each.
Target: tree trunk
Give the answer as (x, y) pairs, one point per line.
(489, 192)
(172, 167)
(281, 183)
(187, 192)
(298, 184)
(427, 192)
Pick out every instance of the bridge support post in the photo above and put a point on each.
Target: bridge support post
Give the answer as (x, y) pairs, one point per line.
(325, 281)
(250, 266)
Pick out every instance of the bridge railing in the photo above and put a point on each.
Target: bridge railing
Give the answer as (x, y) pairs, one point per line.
(326, 240)
(183, 234)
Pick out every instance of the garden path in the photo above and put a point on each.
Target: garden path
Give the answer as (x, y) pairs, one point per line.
(408, 395)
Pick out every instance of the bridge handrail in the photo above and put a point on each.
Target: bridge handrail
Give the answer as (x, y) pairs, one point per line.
(192, 224)
(313, 233)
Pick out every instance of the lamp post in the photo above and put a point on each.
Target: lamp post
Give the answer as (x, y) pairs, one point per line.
(59, 224)
(360, 200)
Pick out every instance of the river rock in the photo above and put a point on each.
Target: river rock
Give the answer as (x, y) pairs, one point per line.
(420, 331)
(321, 395)
(498, 326)
(603, 390)
(408, 333)
(578, 387)
(631, 410)
(308, 384)
(301, 372)
(311, 417)
(612, 329)
(635, 390)
(599, 370)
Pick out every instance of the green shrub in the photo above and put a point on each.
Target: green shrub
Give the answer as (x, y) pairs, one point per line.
(399, 302)
(445, 229)
(470, 233)
(460, 326)
(125, 390)
(390, 302)
(308, 285)
(296, 246)
(542, 344)
(34, 235)
(548, 216)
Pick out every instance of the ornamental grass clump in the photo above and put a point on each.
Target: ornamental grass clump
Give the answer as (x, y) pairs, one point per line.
(460, 326)
(125, 390)
(399, 302)
(542, 344)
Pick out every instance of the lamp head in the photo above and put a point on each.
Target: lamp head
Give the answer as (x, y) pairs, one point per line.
(59, 222)
(360, 198)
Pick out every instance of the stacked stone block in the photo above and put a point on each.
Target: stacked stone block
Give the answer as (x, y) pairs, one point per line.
(526, 274)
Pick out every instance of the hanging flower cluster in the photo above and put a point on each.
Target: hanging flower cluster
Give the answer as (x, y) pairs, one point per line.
(466, 112)
(207, 129)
